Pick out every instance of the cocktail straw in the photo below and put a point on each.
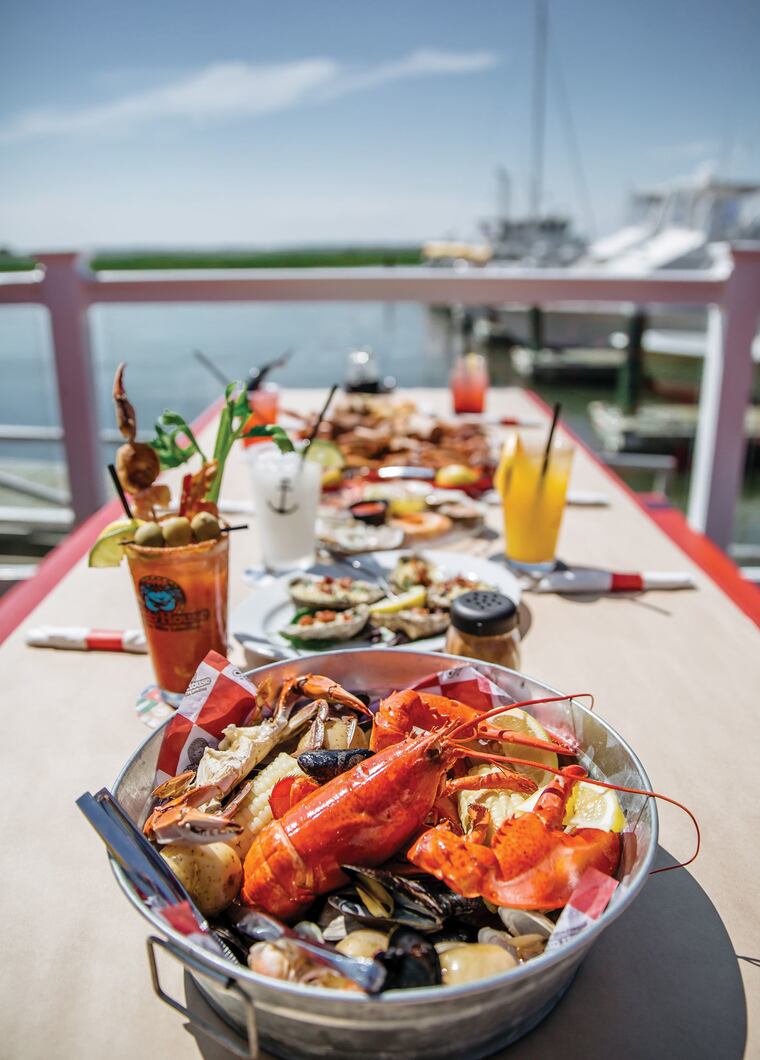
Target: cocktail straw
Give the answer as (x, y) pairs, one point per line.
(550, 439)
(213, 368)
(320, 417)
(120, 491)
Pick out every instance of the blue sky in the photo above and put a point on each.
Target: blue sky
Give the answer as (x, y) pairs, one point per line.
(249, 123)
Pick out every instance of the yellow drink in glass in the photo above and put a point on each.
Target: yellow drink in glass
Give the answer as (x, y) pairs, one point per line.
(533, 503)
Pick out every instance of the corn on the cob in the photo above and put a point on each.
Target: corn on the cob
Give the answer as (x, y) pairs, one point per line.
(254, 812)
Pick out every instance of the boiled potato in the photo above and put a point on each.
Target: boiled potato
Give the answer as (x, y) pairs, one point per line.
(211, 873)
(471, 961)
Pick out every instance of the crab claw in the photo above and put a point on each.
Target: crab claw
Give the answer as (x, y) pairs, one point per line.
(192, 827)
(181, 820)
(318, 687)
(175, 786)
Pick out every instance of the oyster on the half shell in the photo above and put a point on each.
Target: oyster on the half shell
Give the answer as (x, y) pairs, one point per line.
(313, 590)
(441, 593)
(415, 622)
(328, 625)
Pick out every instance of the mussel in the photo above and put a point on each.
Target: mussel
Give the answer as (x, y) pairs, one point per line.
(326, 764)
(410, 961)
(234, 948)
(382, 897)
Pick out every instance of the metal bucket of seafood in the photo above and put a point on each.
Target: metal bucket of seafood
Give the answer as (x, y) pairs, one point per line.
(294, 1020)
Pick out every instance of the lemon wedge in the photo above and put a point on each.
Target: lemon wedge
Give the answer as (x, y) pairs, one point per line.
(407, 505)
(414, 597)
(519, 721)
(504, 468)
(107, 550)
(587, 807)
(455, 475)
(331, 477)
(593, 807)
(328, 454)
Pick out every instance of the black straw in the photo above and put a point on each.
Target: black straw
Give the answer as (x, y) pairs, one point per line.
(320, 417)
(550, 439)
(120, 491)
(215, 370)
(229, 529)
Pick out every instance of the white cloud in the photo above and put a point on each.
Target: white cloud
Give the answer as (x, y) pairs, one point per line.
(239, 90)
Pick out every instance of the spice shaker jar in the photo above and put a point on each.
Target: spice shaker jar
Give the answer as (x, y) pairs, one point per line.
(484, 626)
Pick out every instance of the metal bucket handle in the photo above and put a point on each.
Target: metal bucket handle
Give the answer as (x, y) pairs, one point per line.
(188, 961)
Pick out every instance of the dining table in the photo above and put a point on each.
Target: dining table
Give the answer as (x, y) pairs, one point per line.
(676, 673)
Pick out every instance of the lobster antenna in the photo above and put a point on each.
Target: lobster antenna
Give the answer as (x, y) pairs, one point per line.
(511, 706)
(495, 759)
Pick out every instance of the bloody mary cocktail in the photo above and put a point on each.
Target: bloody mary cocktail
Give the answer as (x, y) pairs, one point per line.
(182, 596)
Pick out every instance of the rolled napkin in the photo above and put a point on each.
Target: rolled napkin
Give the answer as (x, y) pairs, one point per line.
(80, 638)
(586, 580)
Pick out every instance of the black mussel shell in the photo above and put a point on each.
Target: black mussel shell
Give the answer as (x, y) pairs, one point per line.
(410, 961)
(455, 931)
(233, 945)
(249, 924)
(324, 765)
(350, 904)
(449, 902)
(422, 895)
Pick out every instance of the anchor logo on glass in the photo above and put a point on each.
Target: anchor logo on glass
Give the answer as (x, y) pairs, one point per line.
(281, 508)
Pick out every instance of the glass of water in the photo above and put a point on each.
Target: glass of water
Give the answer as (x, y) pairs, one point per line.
(286, 492)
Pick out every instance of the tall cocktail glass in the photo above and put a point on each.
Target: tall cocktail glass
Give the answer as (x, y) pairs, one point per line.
(469, 383)
(534, 502)
(286, 491)
(182, 596)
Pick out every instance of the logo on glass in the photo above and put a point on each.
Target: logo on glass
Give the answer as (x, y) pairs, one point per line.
(281, 508)
(161, 595)
(164, 606)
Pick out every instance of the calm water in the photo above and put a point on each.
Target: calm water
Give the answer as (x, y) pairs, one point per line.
(412, 344)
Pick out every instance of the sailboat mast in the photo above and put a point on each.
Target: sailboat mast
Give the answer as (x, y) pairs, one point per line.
(539, 109)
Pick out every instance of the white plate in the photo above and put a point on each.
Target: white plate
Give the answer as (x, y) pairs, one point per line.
(269, 607)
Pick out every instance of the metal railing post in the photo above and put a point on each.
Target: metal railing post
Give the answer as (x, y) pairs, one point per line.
(62, 294)
(718, 467)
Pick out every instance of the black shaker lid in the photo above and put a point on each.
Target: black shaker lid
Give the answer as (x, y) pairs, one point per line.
(483, 613)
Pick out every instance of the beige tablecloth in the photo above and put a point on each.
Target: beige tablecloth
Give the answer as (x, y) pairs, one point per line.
(677, 673)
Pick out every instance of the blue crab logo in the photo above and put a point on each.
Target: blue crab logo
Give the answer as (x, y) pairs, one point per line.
(161, 595)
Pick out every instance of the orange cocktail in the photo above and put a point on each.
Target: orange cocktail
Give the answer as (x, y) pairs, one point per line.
(182, 595)
(264, 406)
(534, 501)
(469, 383)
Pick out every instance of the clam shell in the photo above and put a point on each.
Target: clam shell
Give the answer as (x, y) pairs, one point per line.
(524, 922)
(345, 626)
